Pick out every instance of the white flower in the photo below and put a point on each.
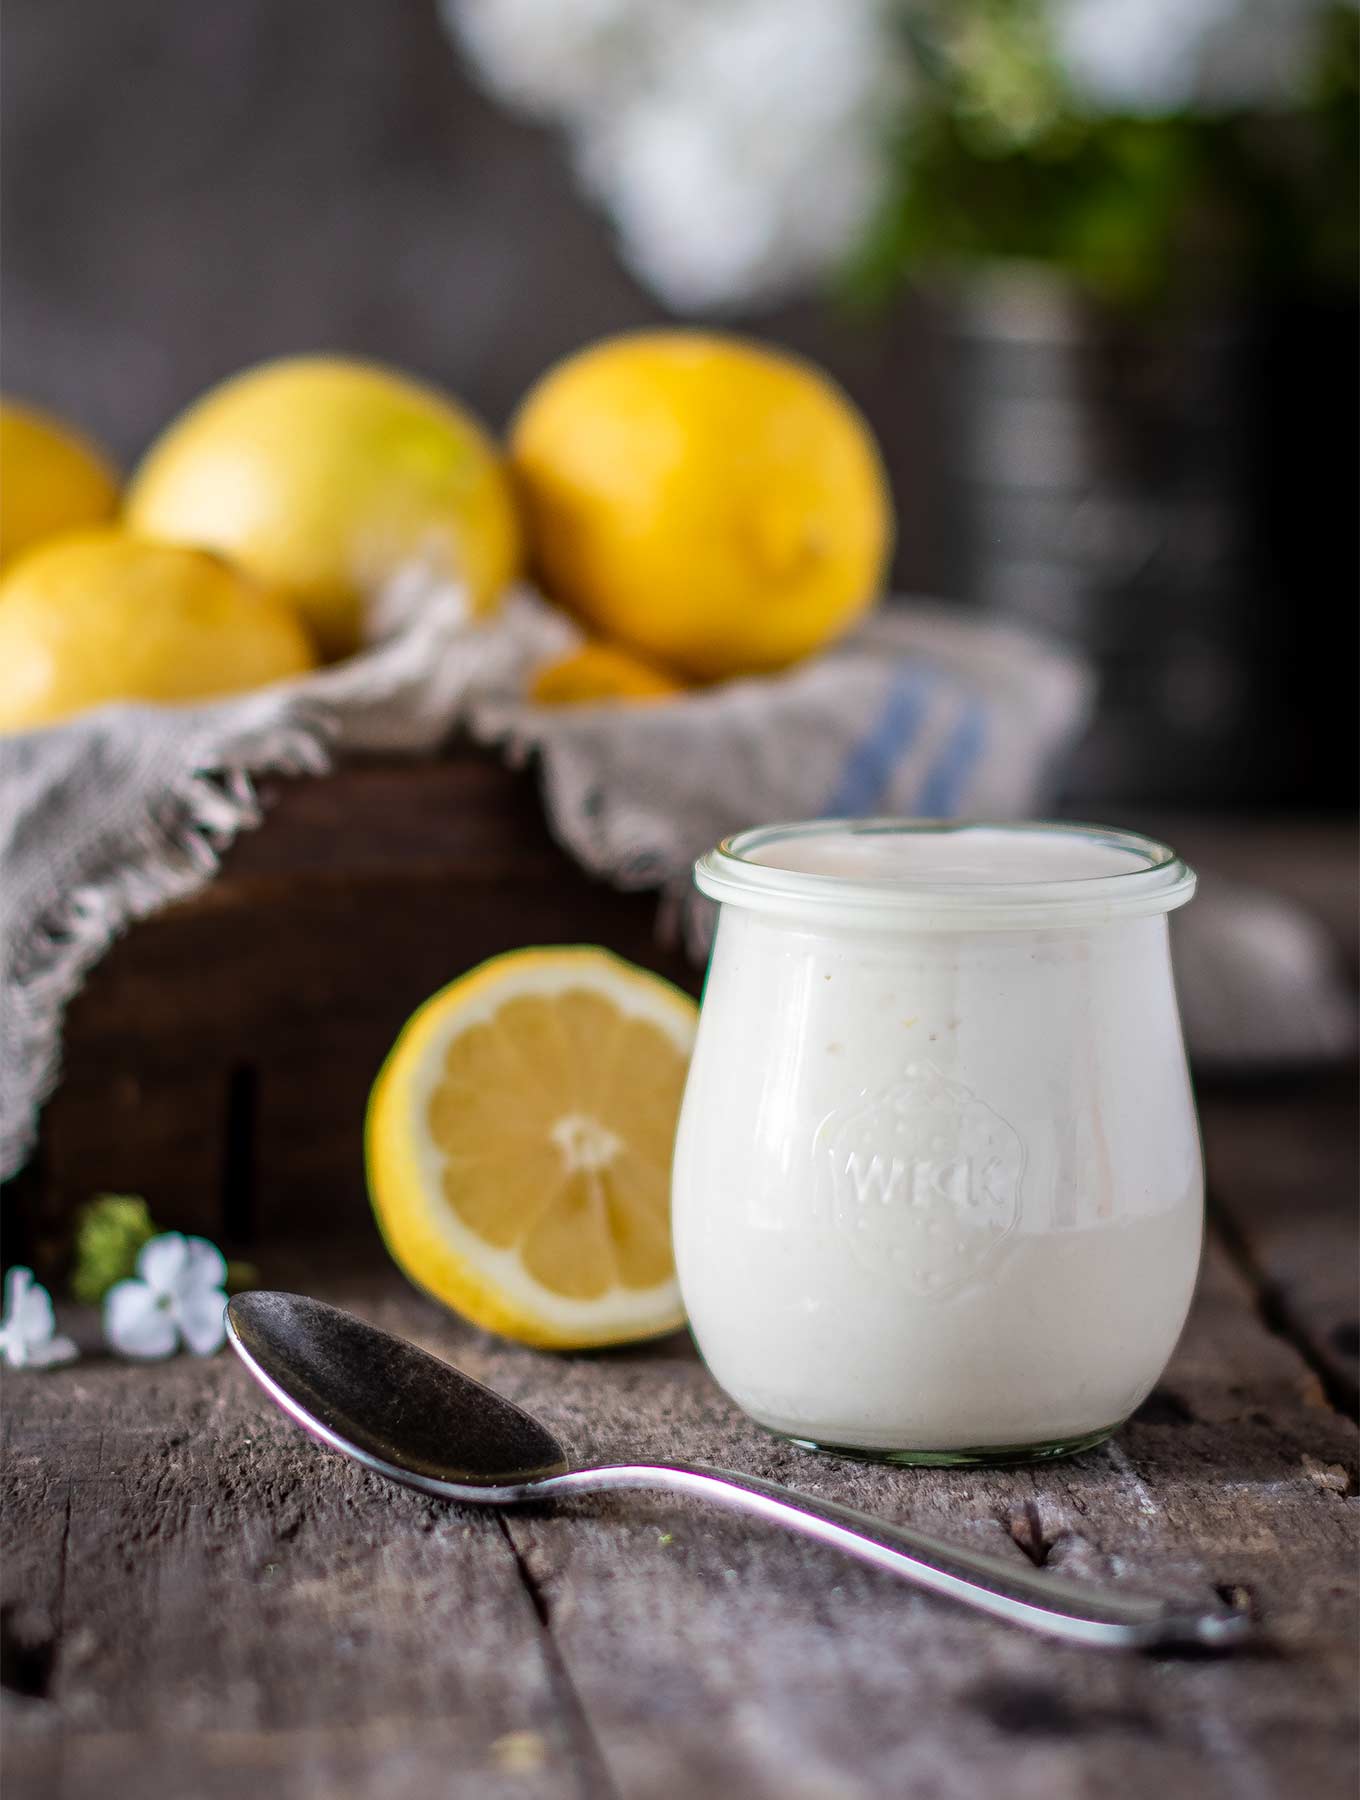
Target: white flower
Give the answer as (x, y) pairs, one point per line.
(554, 59)
(740, 145)
(28, 1330)
(179, 1292)
(751, 161)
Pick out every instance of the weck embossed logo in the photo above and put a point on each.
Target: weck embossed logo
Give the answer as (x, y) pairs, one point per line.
(922, 1178)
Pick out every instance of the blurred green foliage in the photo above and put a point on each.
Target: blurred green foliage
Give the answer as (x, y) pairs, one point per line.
(995, 160)
(110, 1230)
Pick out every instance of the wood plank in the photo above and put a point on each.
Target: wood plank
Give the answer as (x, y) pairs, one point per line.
(1315, 861)
(396, 817)
(776, 1668)
(232, 1602)
(242, 1030)
(197, 1602)
(1284, 1177)
(101, 1117)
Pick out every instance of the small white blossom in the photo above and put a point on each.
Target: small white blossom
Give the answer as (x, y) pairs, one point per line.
(178, 1293)
(28, 1331)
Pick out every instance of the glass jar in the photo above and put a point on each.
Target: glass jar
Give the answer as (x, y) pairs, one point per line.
(938, 1192)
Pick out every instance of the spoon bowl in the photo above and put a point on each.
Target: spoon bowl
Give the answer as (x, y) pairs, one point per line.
(386, 1403)
(416, 1420)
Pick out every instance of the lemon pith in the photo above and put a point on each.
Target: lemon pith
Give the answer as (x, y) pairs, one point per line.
(519, 1142)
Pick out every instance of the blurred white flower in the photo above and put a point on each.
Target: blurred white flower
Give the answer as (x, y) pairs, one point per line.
(28, 1330)
(179, 1292)
(753, 161)
(1157, 57)
(740, 145)
(554, 59)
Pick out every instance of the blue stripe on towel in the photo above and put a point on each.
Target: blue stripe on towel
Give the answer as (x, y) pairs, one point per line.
(948, 774)
(871, 764)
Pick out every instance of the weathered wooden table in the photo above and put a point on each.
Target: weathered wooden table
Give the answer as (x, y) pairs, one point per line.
(200, 1602)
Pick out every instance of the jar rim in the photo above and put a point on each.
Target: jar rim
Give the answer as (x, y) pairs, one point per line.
(1158, 882)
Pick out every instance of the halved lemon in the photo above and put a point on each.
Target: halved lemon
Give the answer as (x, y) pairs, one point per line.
(519, 1143)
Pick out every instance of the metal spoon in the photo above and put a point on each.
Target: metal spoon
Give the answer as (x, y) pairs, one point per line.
(418, 1421)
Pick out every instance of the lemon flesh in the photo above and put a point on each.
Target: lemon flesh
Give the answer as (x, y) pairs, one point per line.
(97, 616)
(51, 479)
(519, 1146)
(324, 478)
(712, 504)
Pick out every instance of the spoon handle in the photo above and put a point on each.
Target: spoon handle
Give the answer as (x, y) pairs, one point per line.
(1020, 1595)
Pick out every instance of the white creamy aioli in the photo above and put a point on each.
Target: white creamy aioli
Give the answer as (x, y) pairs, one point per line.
(937, 1184)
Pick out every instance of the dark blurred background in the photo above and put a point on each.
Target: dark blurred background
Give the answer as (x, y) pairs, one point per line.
(189, 189)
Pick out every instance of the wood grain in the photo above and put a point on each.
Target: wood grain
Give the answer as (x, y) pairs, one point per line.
(1314, 861)
(1284, 1172)
(197, 1597)
(220, 1058)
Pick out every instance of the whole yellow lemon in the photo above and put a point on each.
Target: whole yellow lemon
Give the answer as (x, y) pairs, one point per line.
(51, 479)
(323, 477)
(94, 616)
(600, 672)
(717, 505)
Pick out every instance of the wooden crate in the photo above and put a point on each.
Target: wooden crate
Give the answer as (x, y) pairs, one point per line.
(220, 1057)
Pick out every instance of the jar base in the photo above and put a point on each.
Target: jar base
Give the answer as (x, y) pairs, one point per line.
(981, 1456)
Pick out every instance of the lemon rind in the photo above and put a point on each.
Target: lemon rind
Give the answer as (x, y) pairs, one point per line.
(440, 1254)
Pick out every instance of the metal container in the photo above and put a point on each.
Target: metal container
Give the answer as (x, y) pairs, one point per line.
(1099, 479)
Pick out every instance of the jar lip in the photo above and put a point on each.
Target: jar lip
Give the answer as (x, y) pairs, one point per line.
(1158, 882)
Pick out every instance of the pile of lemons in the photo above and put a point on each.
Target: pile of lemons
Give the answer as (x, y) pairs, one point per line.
(704, 506)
